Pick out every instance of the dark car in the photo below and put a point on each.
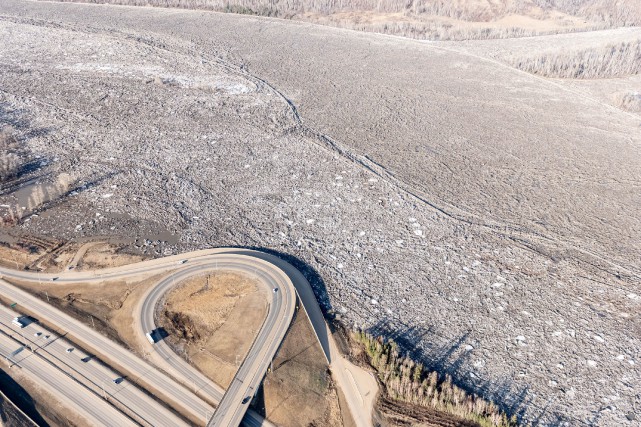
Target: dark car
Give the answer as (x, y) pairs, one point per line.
(247, 399)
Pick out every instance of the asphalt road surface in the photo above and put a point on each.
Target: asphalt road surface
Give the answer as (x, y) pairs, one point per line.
(197, 401)
(85, 368)
(91, 407)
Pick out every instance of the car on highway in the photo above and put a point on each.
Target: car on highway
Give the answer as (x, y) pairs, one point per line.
(247, 399)
(37, 334)
(53, 279)
(182, 261)
(69, 350)
(275, 290)
(118, 380)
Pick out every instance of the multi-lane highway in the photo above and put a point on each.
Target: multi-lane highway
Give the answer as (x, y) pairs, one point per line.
(136, 369)
(71, 394)
(85, 369)
(197, 401)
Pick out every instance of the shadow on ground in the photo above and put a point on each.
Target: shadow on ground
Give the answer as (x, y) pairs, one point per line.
(20, 398)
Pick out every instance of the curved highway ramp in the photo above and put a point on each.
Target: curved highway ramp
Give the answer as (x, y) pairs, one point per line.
(179, 384)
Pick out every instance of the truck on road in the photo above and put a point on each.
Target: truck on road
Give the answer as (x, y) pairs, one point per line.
(20, 321)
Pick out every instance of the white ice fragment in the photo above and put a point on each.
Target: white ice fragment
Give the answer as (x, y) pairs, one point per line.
(620, 357)
(362, 233)
(497, 285)
(418, 232)
(591, 363)
(373, 301)
(310, 221)
(106, 196)
(520, 338)
(598, 338)
(469, 348)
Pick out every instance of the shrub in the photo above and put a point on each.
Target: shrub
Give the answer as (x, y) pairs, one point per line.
(408, 381)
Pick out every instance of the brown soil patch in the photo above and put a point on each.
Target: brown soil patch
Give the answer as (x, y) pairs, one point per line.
(397, 413)
(212, 320)
(299, 391)
(106, 307)
(106, 256)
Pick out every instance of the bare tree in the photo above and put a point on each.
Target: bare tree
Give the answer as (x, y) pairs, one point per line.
(10, 155)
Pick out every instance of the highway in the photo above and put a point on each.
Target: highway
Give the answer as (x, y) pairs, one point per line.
(198, 400)
(87, 370)
(136, 369)
(91, 407)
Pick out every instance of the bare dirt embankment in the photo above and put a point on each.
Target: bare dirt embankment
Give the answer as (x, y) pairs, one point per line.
(298, 390)
(212, 320)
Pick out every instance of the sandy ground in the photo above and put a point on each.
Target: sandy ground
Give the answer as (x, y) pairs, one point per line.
(446, 200)
(224, 313)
